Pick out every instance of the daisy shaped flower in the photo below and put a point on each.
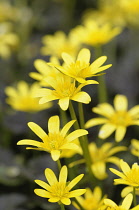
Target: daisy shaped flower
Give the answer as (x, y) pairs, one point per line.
(64, 89)
(80, 69)
(128, 176)
(59, 190)
(115, 119)
(91, 200)
(111, 205)
(56, 140)
(100, 156)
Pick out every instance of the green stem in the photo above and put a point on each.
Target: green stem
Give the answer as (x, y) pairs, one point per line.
(134, 196)
(83, 143)
(62, 206)
(102, 90)
(63, 117)
(59, 164)
(81, 115)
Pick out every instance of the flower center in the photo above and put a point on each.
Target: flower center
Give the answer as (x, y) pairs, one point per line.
(90, 204)
(54, 141)
(78, 68)
(59, 190)
(121, 118)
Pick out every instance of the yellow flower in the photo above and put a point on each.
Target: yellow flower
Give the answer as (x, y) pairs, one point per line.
(64, 89)
(44, 70)
(117, 119)
(58, 43)
(59, 190)
(102, 155)
(56, 140)
(111, 205)
(7, 12)
(81, 68)
(92, 200)
(22, 98)
(129, 176)
(93, 33)
(135, 147)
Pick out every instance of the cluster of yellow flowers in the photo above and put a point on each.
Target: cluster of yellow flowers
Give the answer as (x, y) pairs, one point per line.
(64, 82)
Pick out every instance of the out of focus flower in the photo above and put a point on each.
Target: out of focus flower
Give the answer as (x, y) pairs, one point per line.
(7, 11)
(22, 98)
(59, 42)
(102, 155)
(111, 205)
(81, 68)
(92, 200)
(117, 119)
(44, 70)
(56, 140)
(59, 190)
(128, 176)
(64, 89)
(135, 147)
(9, 41)
(95, 34)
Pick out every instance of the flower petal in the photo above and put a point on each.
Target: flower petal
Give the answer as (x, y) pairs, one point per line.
(67, 58)
(106, 130)
(37, 130)
(66, 128)
(120, 133)
(124, 166)
(104, 109)
(54, 199)
(55, 154)
(63, 174)
(75, 134)
(42, 193)
(30, 142)
(53, 124)
(127, 201)
(84, 55)
(99, 170)
(66, 201)
(64, 103)
(95, 121)
(43, 185)
(75, 181)
(134, 111)
(76, 193)
(82, 97)
(97, 63)
(120, 103)
(118, 173)
(110, 203)
(50, 176)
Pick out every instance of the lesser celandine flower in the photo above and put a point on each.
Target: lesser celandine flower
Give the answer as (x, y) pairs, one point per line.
(59, 190)
(135, 147)
(22, 98)
(102, 155)
(95, 34)
(128, 176)
(80, 69)
(117, 119)
(60, 42)
(64, 89)
(92, 200)
(56, 140)
(44, 70)
(126, 204)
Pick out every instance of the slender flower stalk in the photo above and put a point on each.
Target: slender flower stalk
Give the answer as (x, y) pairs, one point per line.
(134, 196)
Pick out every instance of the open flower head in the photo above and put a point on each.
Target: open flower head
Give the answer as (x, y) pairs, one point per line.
(56, 140)
(135, 147)
(59, 190)
(92, 200)
(44, 70)
(117, 119)
(95, 34)
(126, 204)
(64, 89)
(80, 69)
(128, 176)
(59, 42)
(102, 155)
(22, 98)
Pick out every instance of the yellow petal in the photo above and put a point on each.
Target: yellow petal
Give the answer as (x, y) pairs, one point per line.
(75, 181)
(120, 133)
(118, 173)
(97, 63)
(106, 130)
(64, 103)
(76, 193)
(127, 201)
(53, 124)
(84, 56)
(99, 170)
(50, 176)
(66, 201)
(47, 98)
(134, 111)
(75, 134)
(65, 129)
(124, 166)
(43, 184)
(30, 142)
(67, 58)
(63, 174)
(82, 97)
(55, 154)
(54, 199)
(37, 130)
(94, 122)
(110, 203)
(126, 191)
(104, 109)
(42, 193)
(120, 103)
